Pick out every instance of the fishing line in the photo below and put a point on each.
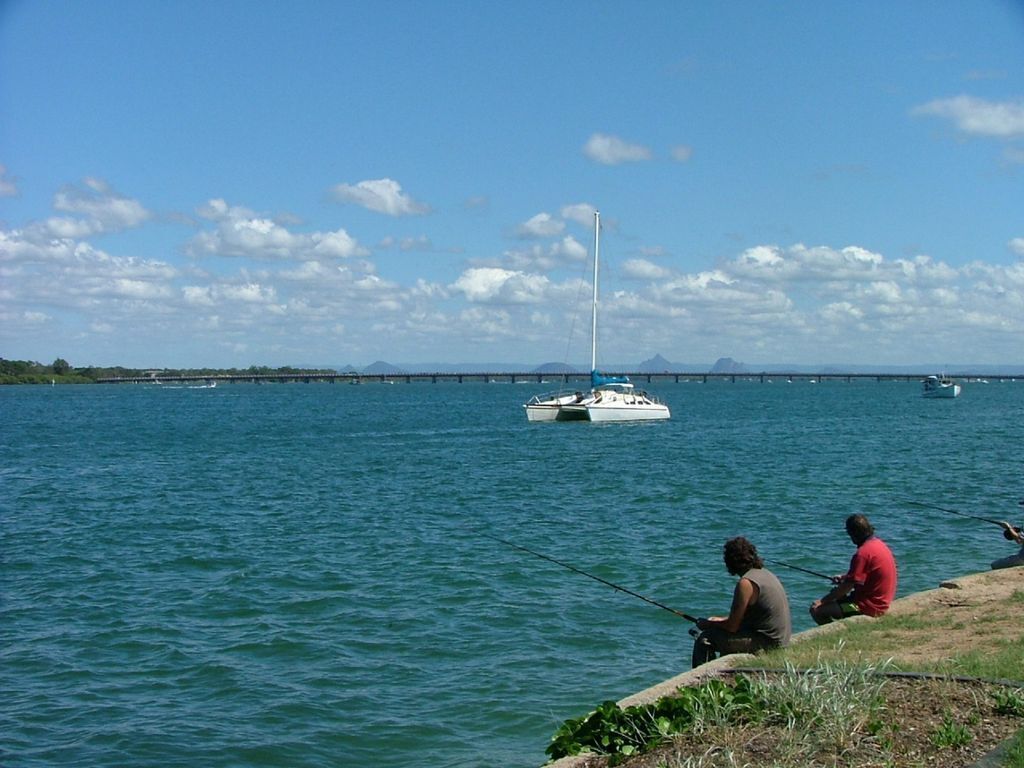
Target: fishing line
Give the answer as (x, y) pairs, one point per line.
(953, 512)
(804, 570)
(574, 569)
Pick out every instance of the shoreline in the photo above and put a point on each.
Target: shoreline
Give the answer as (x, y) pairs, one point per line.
(977, 591)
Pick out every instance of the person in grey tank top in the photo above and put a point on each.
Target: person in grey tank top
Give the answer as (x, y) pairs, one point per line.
(759, 616)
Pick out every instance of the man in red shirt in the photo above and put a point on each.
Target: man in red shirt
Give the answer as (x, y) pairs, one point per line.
(869, 587)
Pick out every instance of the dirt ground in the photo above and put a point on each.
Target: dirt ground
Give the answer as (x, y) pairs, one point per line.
(944, 623)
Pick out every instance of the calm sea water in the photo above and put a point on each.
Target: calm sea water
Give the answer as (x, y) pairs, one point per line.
(296, 575)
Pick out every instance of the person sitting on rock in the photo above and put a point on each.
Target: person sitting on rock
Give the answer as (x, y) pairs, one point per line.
(759, 617)
(869, 587)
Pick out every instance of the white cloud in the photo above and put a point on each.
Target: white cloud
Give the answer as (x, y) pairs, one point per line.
(681, 153)
(978, 117)
(922, 271)
(8, 187)
(218, 209)
(61, 227)
(380, 195)
(642, 269)
(198, 295)
(571, 249)
(500, 286)
(101, 211)
(541, 225)
(766, 262)
(540, 258)
(787, 301)
(252, 293)
(840, 311)
(241, 232)
(762, 256)
(488, 324)
(883, 291)
(35, 318)
(137, 289)
(611, 150)
(79, 259)
(407, 244)
(102, 205)
(581, 213)
(338, 244)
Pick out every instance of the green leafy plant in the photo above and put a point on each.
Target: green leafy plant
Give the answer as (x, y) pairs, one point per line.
(612, 730)
(1009, 702)
(951, 734)
(884, 731)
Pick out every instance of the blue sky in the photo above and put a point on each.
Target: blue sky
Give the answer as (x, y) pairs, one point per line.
(252, 183)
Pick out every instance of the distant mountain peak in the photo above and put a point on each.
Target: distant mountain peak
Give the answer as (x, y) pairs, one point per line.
(728, 365)
(656, 364)
(382, 368)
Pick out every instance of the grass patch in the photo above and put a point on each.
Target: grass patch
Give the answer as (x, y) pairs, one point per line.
(951, 734)
(1002, 660)
(1015, 755)
(989, 655)
(830, 710)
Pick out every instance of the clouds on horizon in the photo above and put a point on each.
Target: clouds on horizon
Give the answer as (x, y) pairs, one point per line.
(254, 285)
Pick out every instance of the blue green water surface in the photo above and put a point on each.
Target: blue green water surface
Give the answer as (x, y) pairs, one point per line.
(296, 575)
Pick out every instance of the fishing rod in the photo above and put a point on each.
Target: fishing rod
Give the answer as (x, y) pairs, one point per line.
(574, 569)
(954, 512)
(805, 570)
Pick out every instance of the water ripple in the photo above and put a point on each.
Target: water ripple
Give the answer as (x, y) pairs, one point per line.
(295, 575)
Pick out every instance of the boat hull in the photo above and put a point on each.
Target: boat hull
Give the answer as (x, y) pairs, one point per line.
(625, 404)
(549, 407)
(622, 412)
(542, 412)
(944, 392)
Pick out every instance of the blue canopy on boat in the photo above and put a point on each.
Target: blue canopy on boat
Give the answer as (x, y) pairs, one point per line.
(599, 380)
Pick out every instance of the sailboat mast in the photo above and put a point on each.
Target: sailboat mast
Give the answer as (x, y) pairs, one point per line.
(593, 318)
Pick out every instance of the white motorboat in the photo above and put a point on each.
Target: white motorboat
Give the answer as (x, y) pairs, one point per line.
(609, 398)
(939, 386)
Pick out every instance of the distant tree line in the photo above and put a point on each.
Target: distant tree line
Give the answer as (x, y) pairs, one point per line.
(62, 372)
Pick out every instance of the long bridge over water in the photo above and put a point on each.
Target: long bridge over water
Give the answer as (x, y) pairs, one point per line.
(559, 379)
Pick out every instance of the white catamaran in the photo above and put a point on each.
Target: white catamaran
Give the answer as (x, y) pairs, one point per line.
(609, 398)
